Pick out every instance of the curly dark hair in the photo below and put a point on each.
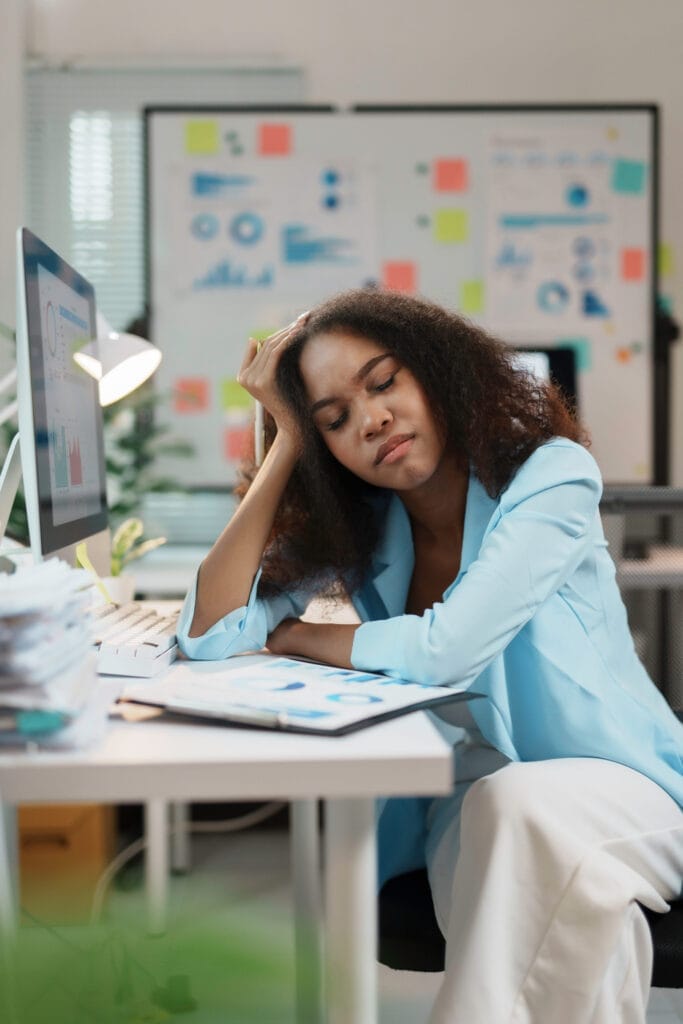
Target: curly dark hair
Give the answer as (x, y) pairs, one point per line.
(494, 414)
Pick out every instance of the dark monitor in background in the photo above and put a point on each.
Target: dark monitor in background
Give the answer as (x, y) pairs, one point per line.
(60, 418)
(556, 364)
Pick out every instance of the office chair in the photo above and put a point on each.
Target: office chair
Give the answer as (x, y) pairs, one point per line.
(410, 938)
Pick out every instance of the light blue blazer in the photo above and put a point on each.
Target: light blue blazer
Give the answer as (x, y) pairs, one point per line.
(533, 621)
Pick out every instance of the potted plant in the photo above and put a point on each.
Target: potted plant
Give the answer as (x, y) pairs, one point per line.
(127, 544)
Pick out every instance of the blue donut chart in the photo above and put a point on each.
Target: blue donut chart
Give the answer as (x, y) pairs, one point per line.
(246, 228)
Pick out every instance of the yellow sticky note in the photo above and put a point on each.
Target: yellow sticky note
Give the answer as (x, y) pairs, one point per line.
(666, 260)
(201, 137)
(472, 296)
(451, 225)
(233, 395)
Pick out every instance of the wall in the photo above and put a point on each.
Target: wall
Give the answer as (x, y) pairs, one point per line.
(11, 133)
(453, 51)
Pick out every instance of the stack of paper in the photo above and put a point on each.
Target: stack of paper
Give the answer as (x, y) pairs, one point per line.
(47, 664)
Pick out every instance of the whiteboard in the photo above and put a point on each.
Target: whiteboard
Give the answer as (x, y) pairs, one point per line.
(537, 223)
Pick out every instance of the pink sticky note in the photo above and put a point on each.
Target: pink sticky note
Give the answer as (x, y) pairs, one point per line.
(399, 276)
(632, 264)
(237, 441)
(450, 175)
(274, 140)
(191, 394)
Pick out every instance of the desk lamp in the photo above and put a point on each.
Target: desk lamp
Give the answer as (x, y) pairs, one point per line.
(8, 382)
(121, 362)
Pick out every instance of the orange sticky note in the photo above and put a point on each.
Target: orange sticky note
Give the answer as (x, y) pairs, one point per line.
(399, 276)
(274, 140)
(237, 441)
(633, 264)
(451, 175)
(191, 394)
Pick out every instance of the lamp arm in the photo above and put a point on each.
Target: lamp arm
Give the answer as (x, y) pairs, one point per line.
(9, 482)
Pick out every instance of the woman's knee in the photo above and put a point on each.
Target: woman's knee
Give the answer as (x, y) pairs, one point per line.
(515, 794)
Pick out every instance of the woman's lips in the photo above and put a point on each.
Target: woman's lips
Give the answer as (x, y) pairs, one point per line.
(394, 449)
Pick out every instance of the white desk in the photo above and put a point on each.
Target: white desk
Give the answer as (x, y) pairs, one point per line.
(161, 761)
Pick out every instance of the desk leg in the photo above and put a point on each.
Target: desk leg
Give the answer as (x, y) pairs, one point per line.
(8, 911)
(350, 912)
(180, 837)
(305, 856)
(9, 873)
(156, 865)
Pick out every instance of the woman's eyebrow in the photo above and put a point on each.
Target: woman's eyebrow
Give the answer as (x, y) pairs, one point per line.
(358, 377)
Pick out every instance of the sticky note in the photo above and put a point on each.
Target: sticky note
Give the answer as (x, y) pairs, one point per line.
(202, 137)
(237, 442)
(261, 333)
(666, 262)
(451, 225)
(233, 395)
(274, 140)
(191, 394)
(472, 296)
(400, 276)
(628, 176)
(632, 264)
(582, 350)
(451, 175)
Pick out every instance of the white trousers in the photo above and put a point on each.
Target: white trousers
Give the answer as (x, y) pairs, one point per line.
(536, 882)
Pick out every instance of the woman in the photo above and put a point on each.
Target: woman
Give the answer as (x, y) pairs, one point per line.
(412, 466)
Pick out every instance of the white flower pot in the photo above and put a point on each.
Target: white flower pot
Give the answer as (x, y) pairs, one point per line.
(121, 588)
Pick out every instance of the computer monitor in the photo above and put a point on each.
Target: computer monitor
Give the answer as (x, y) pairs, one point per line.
(60, 418)
(557, 364)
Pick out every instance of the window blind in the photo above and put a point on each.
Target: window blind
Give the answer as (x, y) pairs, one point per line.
(85, 160)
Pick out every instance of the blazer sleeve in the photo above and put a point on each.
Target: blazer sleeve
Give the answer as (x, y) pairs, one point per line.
(541, 531)
(243, 630)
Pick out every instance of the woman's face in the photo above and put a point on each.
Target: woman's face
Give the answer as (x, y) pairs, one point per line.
(370, 411)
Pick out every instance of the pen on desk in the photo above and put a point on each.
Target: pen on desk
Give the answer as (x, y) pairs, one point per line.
(234, 713)
(259, 438)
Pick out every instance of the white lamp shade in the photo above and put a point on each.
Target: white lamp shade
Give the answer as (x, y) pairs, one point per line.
(120, 362)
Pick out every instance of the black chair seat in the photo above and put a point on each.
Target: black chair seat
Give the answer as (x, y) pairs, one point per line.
(410, 938)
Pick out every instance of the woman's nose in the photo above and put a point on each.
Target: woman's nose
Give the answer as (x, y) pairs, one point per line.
(375, 420)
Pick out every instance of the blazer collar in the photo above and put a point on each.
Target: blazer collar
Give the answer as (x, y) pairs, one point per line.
(394, 559)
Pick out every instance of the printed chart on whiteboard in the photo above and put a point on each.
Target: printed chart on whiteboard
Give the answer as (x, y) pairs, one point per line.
(535, 223)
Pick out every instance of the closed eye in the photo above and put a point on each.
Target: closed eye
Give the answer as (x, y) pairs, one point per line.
(385, 385)
(336, 424)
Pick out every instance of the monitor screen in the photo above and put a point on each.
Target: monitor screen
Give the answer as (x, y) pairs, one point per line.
(557, 364)
(60, 419)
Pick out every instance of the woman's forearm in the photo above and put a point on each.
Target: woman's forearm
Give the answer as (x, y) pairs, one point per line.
(227, 573)
(329, 642)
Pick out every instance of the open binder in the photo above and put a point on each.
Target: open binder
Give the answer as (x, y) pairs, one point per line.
(284, 693)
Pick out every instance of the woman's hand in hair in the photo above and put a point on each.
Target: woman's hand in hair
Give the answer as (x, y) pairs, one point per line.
(258, 372)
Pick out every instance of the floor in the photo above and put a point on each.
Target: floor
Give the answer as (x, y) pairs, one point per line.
(230, 932)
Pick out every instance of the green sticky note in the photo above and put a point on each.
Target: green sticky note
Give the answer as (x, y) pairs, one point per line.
(666, 260)
(451, 226)
(628, 176)
(582, 348)
(202, 137)
(472, 296)
(233, 395)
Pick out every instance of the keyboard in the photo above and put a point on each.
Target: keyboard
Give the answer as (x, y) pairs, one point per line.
(133, 639)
